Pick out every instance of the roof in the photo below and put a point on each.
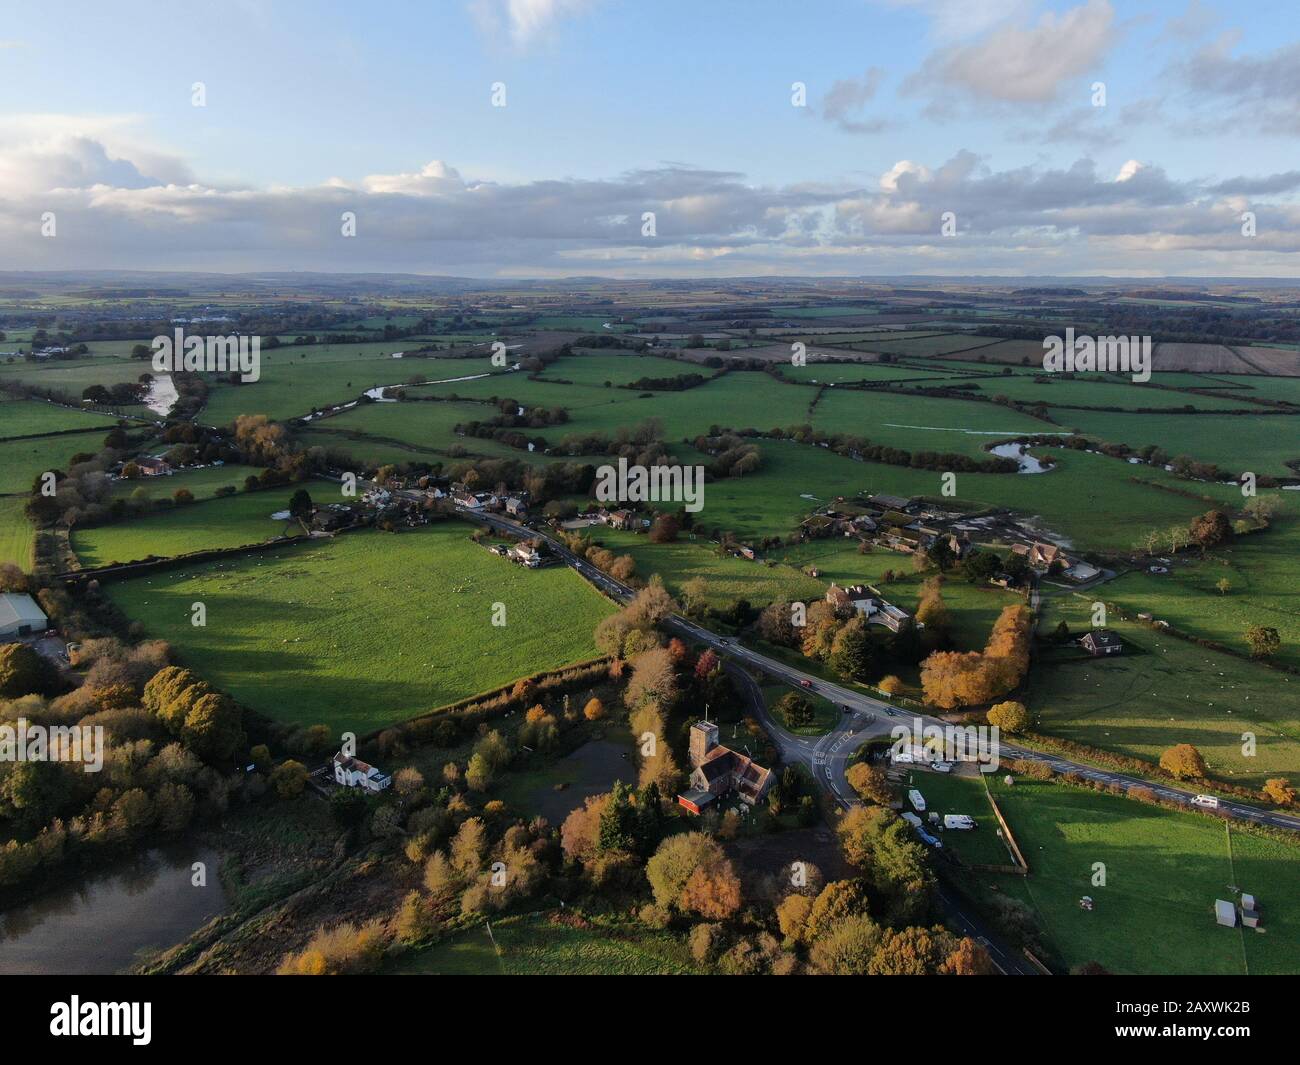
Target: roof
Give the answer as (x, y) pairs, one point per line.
(892, 502)
(21, 608)
(1102, 638)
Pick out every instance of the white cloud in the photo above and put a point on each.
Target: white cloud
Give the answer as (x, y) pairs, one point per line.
(1015, 64)
(524, 21)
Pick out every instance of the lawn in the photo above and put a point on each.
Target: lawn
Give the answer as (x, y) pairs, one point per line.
(826, 714)
(203, 482)
(1163, 870)
(21, 461)
(950, 793)
(1162, 691)
(368, 629)
(535, 945)
(241, 519)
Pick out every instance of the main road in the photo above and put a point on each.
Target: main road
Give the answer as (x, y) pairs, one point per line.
(864, 717)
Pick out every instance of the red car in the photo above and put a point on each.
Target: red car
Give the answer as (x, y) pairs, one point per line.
(805, 683)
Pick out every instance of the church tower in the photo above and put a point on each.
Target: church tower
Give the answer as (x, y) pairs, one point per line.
(704, 737)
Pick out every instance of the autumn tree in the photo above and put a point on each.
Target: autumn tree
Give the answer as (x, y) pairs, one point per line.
(1279, 790)
(1183, 761)
(1009, 717)
(870, 782)
(1263, 641)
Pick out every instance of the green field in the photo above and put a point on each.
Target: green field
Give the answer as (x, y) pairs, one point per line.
(1261, 568)
(368, 629)
(1163, 869)
(203, 482)
(16, 533)
(242, 519)
(22, 461)
(295, 380)
(1162, 691)
(532, 945)
(1260, 443)
(30, 417)
(949, 793)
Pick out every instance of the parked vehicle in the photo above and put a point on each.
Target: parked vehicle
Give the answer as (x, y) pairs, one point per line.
(917, 800)
(958, 821)
(1208, 801)
(929, 840)
(941, 767)
(912, 819)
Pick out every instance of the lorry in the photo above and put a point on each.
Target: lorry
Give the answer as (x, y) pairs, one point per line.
(917, 800)
(960, 821)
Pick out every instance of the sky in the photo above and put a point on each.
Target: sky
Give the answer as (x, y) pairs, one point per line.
(652, 138)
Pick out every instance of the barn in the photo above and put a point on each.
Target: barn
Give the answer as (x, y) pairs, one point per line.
(20, 616)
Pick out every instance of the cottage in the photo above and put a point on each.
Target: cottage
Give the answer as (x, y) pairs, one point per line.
(717, 771)
(467, 500)
(1101, 642)
(621, 519)
(354, 773)
(20, 616)
(516, 507)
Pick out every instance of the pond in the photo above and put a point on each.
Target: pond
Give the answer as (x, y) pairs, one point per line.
(1028, 464)
(106, 922)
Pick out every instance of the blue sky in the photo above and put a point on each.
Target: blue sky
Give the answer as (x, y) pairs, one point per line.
(617, 107)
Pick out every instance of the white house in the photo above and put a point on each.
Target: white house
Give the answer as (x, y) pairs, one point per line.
(20, 616)
(354, 773)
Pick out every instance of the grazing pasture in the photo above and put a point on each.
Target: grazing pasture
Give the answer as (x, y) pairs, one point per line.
(370, 628)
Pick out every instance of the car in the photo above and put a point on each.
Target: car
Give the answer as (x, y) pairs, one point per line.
(805, 683)
(941, 767)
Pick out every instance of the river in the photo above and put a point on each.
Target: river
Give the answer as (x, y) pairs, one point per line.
(106, 922)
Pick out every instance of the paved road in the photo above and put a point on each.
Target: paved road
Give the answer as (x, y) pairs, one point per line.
(866, 717)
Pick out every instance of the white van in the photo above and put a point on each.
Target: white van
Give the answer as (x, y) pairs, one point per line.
(917, 800)
(1208, 801)
(962, 821)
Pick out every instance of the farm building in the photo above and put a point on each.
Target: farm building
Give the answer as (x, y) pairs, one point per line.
(20, 616)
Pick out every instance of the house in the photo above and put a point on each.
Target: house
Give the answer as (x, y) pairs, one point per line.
(1042, 556)
(516, 507)
(527, 555)
(354, 773)
(744, 551)
(20, 616)
(467, 500)
(854, 597)
(718, 771)
(1002, 580)
(1101, 642)
(621, 519)
(152, 467)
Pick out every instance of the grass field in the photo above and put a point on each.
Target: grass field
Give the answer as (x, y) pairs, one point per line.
(202, 482)
(28, 417)
(241, 519)
(16, 533)
(1163, 872)
(367, 629)
(948, 793)
(532, 945)
(22, 461)
(1162, 691)
(1261, 443)
(1260, 567)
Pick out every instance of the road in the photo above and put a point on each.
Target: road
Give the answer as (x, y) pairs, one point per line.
(828, 757)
